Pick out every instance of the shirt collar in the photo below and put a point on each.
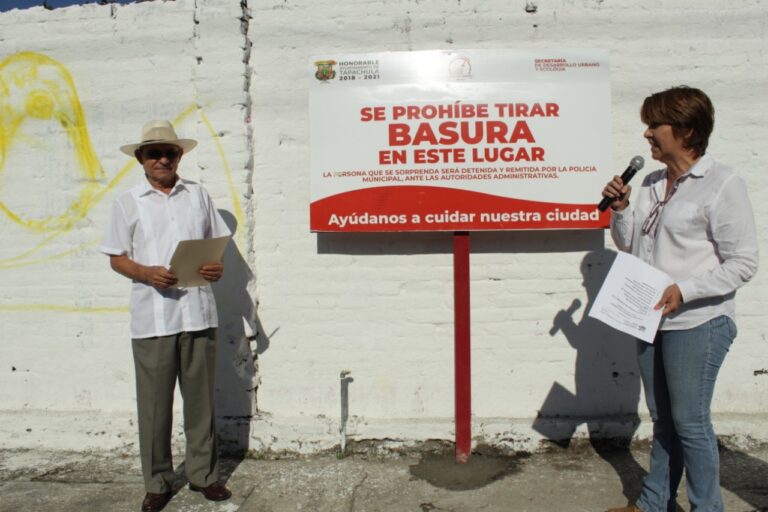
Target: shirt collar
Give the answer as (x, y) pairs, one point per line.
(146, 188)
(697, 170)
(700, 168)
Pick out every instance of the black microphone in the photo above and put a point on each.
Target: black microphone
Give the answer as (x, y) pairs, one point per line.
(635, 165)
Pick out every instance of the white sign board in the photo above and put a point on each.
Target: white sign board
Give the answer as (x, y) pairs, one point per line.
(459, 140)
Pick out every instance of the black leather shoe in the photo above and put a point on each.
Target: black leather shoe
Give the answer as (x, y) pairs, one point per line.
(154, 502)
(214, 492)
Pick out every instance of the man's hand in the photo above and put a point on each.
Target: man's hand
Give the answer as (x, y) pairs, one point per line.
(159, 277)
(212, 271)
(670, 300)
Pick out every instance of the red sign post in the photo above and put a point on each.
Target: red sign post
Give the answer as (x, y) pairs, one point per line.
(462, 353)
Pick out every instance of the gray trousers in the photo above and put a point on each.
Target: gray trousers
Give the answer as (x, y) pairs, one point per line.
(189, 357)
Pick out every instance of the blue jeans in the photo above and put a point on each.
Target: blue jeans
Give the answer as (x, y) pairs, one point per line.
(679, 372)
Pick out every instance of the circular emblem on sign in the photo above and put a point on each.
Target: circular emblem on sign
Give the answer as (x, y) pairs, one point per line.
(460, 67)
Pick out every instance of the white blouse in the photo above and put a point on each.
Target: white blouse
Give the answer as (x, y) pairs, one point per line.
(704, 237)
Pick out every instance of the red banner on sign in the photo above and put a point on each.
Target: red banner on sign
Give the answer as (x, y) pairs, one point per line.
(424, 208)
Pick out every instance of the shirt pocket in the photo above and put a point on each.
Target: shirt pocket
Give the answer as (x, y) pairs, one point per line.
(197, 224)
(684, 217)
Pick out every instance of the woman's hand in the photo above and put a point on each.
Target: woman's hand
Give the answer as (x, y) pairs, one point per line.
(670, 300)
(617, 190)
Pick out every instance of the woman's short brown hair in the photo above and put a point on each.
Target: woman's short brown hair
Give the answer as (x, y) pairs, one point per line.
(688, 110)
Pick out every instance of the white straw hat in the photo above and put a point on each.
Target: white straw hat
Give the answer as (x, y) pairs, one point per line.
(159, 132)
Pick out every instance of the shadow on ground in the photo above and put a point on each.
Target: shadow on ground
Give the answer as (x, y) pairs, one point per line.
(745, 476)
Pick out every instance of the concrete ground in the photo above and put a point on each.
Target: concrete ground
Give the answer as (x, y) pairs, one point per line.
(578, 478)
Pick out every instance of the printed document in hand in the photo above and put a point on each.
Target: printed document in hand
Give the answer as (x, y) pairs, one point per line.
(627, 298)
(190, 255)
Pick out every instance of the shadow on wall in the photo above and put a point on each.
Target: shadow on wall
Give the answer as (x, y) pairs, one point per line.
(544, 241)
(241, 340)
(607, 382)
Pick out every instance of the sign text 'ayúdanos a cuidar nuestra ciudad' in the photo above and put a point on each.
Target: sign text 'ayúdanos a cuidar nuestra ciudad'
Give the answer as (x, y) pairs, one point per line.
(459, 140)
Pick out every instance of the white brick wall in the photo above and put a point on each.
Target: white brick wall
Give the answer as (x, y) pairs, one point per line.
(378, 305)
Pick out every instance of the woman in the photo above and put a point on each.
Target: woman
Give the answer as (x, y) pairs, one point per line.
(692, 220)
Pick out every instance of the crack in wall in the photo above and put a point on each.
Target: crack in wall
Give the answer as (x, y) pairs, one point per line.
(197, 54)
(248, 342)
(245, 20)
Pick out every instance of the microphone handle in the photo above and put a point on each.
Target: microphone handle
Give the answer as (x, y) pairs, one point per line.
(627, 175)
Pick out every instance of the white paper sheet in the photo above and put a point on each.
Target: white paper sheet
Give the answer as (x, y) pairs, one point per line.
(190, 255)
(627, 298)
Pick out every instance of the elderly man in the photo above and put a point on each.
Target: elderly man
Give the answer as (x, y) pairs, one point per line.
(173, 329)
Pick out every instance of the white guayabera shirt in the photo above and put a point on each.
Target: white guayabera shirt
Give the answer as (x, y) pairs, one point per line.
(703, 237)
(146, 225)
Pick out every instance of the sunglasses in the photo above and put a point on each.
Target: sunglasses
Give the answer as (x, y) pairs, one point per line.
(651, 224)
(157, 154)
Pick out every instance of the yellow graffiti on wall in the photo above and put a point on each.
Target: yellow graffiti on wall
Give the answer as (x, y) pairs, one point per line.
(36, 88)
(45, 90)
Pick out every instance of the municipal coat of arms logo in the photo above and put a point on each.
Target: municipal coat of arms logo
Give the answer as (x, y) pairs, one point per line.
(325, 70)
(460, 68)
